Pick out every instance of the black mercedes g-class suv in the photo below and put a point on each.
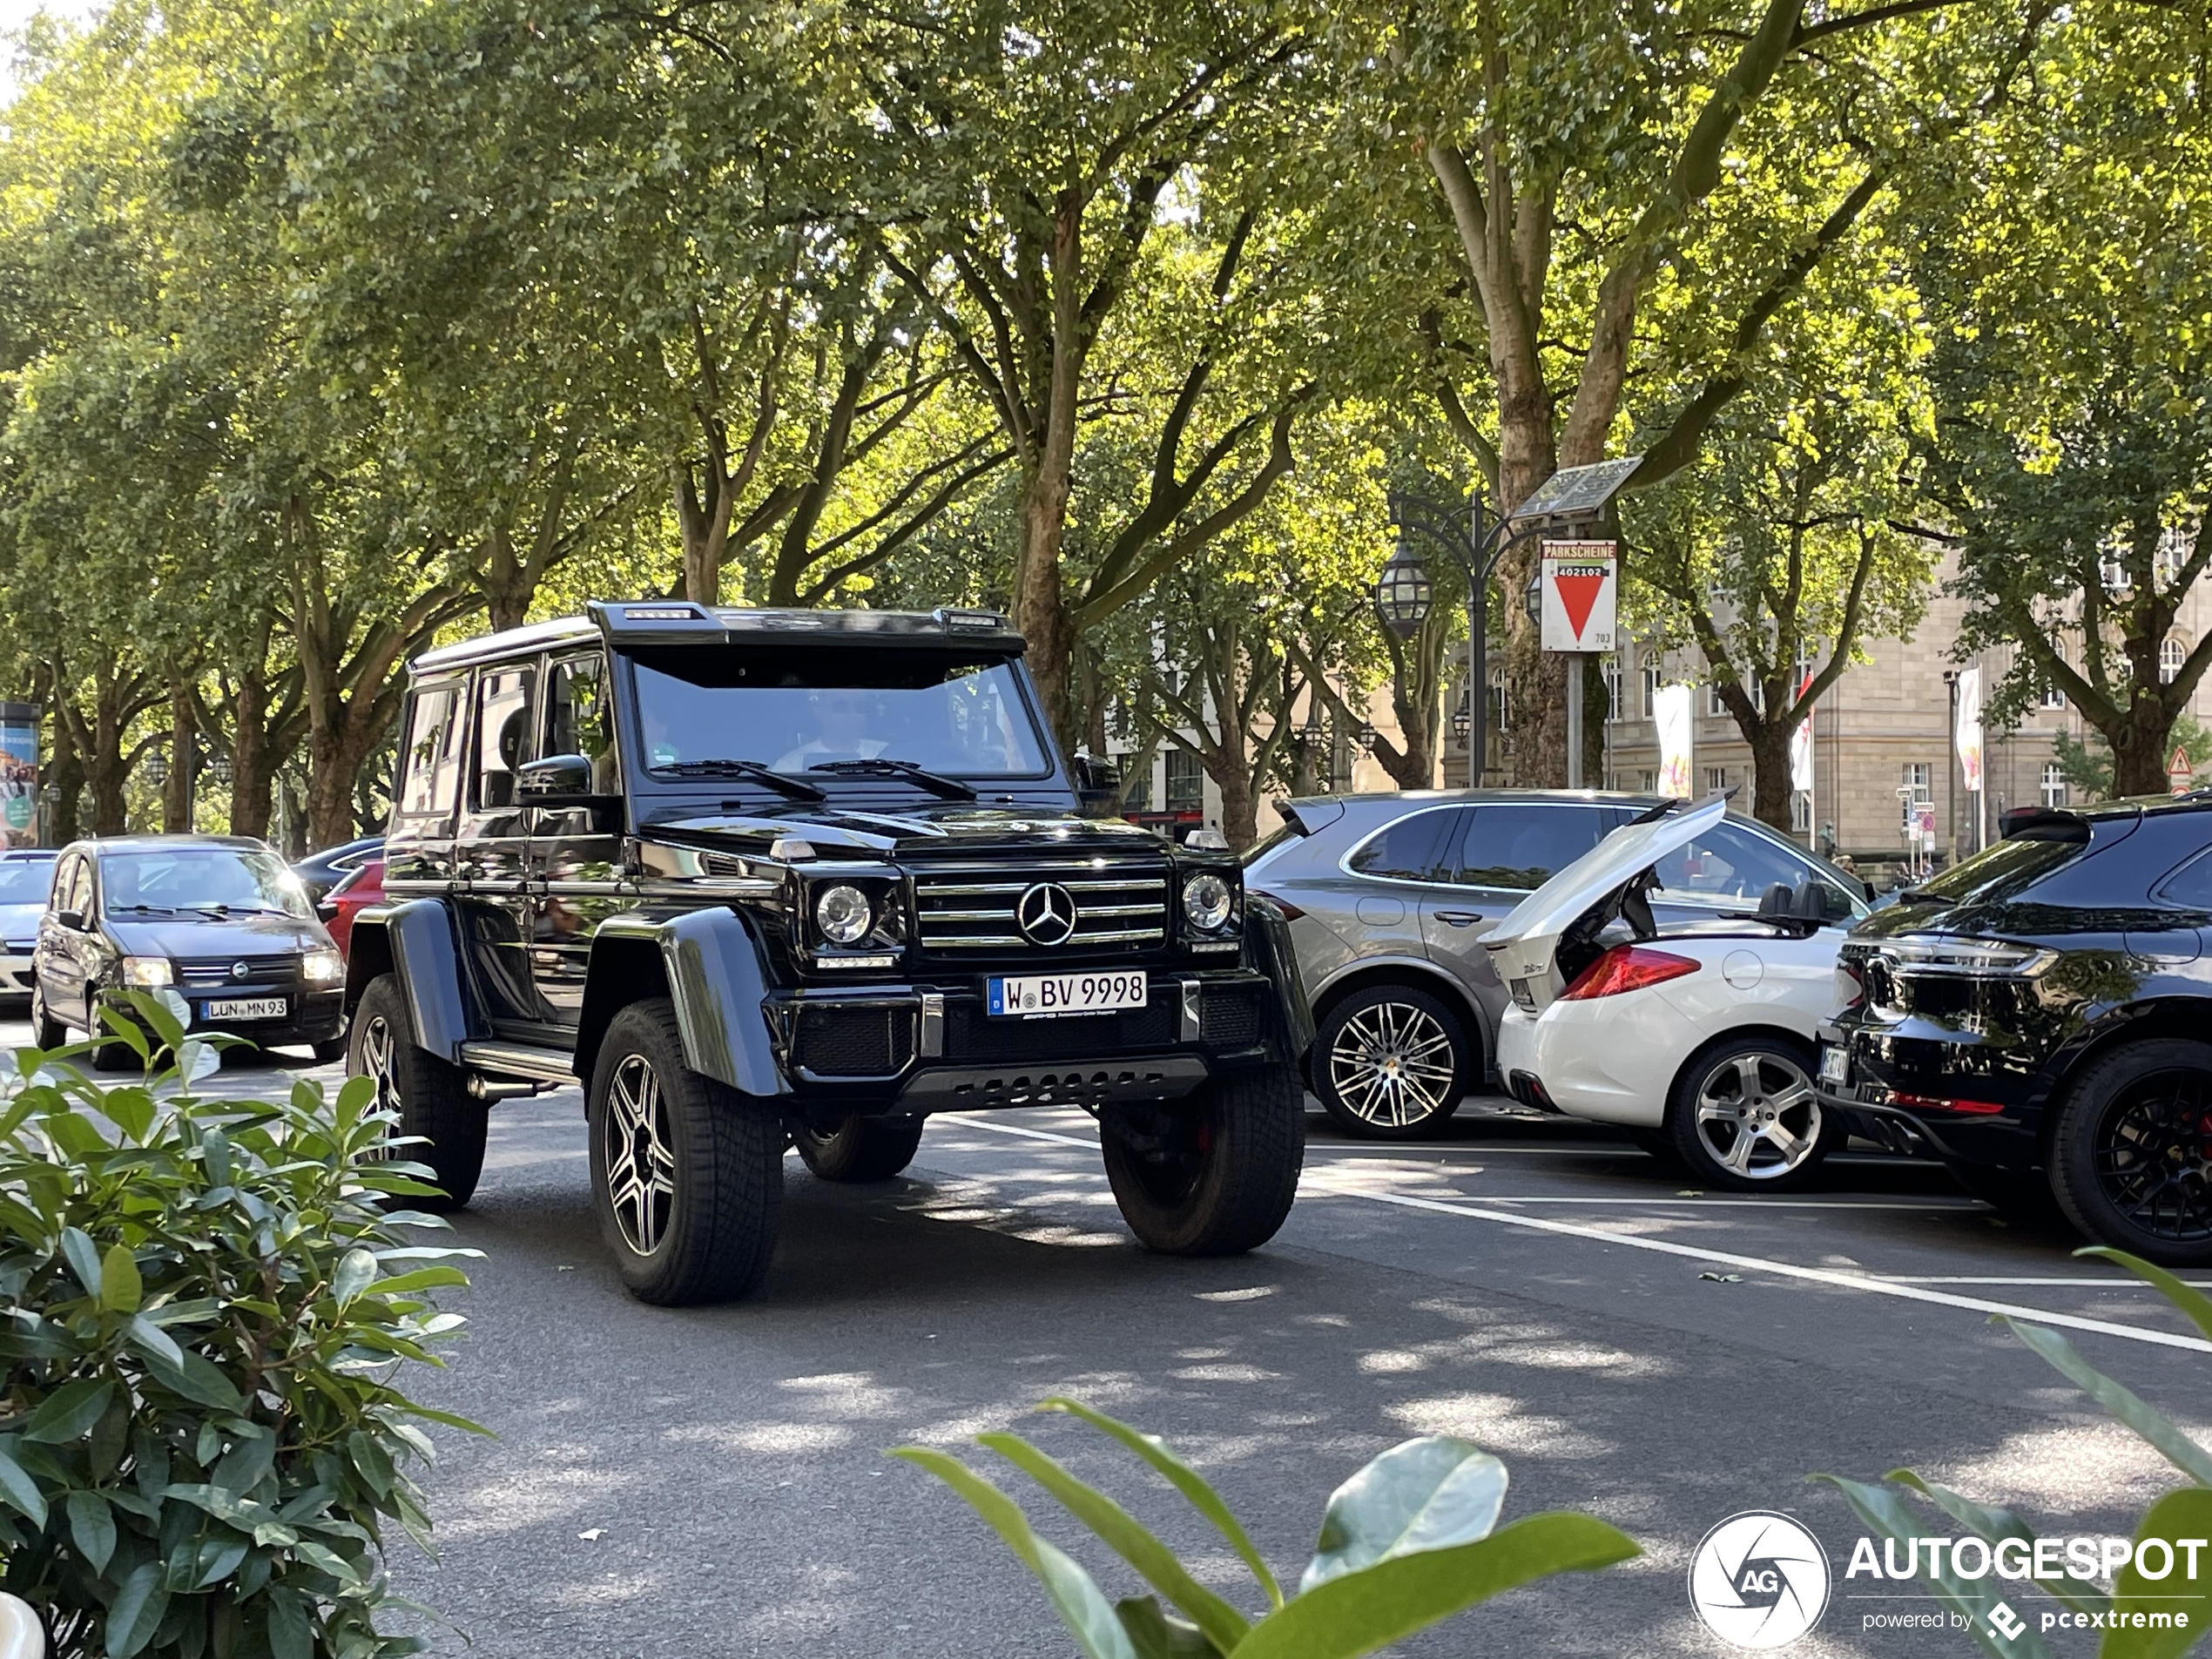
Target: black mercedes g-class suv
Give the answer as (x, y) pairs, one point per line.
(763, 876)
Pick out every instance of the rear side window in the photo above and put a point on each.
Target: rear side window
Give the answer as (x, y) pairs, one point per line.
(502, 734)
(2190, 886)
(1522, 847)
(1419, 848)
(430, 782)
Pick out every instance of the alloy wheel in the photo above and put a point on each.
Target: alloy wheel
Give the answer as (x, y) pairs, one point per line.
(1756, 1115)
(2153, 1155)
(1392, 1065)
(640, 1163)
(379, 1052)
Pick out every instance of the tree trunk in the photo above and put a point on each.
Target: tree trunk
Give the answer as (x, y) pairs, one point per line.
(1040, 611)
(1535, 678)
(64, 776)
(2140, 746)
(1770, 742)
(704, 526)
(332, 760)
(507, 581)
(184, 760)
(253, 762)
(105, 768)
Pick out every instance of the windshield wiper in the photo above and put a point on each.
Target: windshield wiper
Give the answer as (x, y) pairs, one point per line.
(935, 783)
(789, 787)
(144, 909)
(220, 909)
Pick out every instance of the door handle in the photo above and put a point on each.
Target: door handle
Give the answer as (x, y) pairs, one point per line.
(1459, 918)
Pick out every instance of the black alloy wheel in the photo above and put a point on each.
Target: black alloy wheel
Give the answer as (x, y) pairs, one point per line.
(1214, 1173)
(2131, 1154)
(445, 1125)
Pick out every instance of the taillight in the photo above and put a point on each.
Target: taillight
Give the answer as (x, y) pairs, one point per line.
(1851, 988)
(1627, 968)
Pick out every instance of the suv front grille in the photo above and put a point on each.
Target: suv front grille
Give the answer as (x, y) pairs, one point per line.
(860, 1041)
(1121, 905)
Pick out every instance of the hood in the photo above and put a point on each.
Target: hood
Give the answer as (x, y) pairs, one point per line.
(20, 921)
(951, 829)
(1522, 945)
(244, 937)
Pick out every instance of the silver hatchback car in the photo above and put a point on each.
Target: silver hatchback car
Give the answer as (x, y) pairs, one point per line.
(1389, 897)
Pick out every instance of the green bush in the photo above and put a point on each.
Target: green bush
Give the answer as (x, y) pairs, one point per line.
(1405, 1543)
(2186, 1512)
(205, 1303)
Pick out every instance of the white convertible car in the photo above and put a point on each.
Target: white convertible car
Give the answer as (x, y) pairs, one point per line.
(1696, 1036)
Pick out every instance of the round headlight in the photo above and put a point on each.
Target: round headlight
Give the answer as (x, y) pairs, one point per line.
(1205, 901)
(844, 914)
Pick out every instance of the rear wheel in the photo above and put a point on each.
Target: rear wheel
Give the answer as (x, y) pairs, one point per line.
(2131, 1154)
(428, 1093)
(1214, 1173)
(1392, 1062)
(1744, 1116)
(687, 1174)
(860, 1147)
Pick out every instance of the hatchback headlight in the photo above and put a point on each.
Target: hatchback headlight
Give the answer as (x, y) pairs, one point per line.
(147, 970)
(844, 914)
(322, 967)
(1206, 901)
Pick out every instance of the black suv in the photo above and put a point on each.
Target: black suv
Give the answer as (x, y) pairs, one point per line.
(2044, 1005)
(758, 876)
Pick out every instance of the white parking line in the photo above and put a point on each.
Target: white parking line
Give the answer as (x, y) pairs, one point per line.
(2078, 1284)
(1757, 1203)
(1864, 1282)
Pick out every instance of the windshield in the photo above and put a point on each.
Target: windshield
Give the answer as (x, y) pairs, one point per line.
(26, 880)
(181, 879)
(792, 710)
(2003, 872)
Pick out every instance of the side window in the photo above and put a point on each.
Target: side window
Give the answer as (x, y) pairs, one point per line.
(430, 773)
(2190, 886)
(579, 719)
(1732, 867)
(64, 891)
(80, 887)
(1522, 848)
(502, 735)
(1416, 849)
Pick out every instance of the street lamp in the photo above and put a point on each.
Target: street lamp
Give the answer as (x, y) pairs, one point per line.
(1463, 717)
(1403, 595)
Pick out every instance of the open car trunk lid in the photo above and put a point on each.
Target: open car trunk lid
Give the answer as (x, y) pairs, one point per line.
(1524, 947)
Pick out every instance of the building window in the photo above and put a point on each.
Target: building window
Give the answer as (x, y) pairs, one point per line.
(1138, 790)
(2171, 655)
(2112, 567)
(2054, 697)
(1651, 693)
(1500, 704)
(1713, 706)
(1186, 782)
(1651, 783)
(2053, 785)
(1716, 779)
(1613, 690)
(2173, 553)
(1919, 781)
(1801, 811)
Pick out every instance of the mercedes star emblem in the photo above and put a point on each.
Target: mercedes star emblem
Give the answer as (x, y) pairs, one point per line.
(241, 970)
(1046, 914)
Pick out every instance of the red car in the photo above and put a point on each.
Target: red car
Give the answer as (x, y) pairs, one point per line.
(363, 887)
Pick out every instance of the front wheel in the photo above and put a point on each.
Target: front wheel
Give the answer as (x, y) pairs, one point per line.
(46, 1032)
(1214, 1173)
(2131, 1153)
(1392, 1062)
(687, 1174)
(428, 1093)
(1744, 1116)
(860, 1147)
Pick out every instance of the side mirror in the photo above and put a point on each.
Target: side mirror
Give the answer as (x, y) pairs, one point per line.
(72, 920)
(1098, 783)
(558, 781)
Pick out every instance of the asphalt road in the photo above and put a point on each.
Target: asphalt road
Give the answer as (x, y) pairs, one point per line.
(712, 1483)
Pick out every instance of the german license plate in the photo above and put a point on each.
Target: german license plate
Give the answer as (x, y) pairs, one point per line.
(245, 1008)
(1835, 1065)
(1042, 994)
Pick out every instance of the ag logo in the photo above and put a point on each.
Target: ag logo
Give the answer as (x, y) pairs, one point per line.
(1046, 913)
(1759, 1580)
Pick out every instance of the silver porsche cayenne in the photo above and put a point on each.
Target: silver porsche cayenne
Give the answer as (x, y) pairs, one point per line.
(1389, 897)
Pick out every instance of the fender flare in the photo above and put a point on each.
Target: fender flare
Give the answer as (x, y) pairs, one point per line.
(1267, 943)
(716, 975)
(426, 955)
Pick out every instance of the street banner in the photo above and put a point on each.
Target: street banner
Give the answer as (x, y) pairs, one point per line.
(1674, 711)
(1969, 728)
(1801, 746)
(1580, 591)
(18, 774)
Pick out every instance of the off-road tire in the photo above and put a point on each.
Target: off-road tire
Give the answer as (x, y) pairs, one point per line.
(430, 1093)
(1369, 1020)
(1214, 1173)
(46, 1032)
(860, 1147)
(2096, 1100)
(720, 1154)
(1773, 1059)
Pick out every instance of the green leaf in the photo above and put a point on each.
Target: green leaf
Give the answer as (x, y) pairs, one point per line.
(1429, 1494)
(1223, 1624)
(1184, 1479)
(131, 1111)
(2194, 1304)
(19, 1489)
(291, 1632)
(92, 1525)
(1156, 1635)
(69, 1412)
(196, 1379)
(423, 1278)
(153, 1341)
(2186, 1513)
(2137, 1413)
(1371, 1607)
(1086, 1612)
(1993, 1524)
(83, 1258)
(1886, 1512)
(135, 1614)
(356, 1272)
(121, 1289)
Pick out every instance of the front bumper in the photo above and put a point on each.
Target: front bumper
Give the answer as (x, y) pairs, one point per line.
(912, 1049)
(14, 973)
(311, 1016)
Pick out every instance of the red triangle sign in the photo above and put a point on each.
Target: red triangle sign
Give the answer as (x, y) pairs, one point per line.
(2178, 765)
(1578, 592)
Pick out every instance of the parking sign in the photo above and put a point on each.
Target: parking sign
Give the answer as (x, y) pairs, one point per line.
(1580, 588)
